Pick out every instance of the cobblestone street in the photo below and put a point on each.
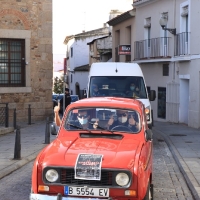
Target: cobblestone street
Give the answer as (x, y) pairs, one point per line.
(168, 181)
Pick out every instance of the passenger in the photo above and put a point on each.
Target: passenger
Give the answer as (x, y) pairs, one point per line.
(95, 90)
(133, 91)
(83, 119)
(122, 119)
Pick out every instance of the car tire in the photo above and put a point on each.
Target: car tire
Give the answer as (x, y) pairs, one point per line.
(149, 193)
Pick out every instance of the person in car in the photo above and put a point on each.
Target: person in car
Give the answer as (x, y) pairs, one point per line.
(123, 120)
(95, 90)
(83, 119)
(132, 91)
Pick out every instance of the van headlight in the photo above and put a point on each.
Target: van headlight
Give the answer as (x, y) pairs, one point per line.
(51, 175)
(147, 112)
(122, 179)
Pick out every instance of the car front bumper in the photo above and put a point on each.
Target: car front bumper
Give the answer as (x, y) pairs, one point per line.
(48, 197)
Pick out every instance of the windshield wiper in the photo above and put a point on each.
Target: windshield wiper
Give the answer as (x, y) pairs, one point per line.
(74, 125)
(78, 127)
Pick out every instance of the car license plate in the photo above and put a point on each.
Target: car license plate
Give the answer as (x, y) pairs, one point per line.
(86, 191)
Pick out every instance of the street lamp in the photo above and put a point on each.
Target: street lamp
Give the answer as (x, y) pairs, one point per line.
(163, 24)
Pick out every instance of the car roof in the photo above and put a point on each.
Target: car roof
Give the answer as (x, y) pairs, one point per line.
(125, 103)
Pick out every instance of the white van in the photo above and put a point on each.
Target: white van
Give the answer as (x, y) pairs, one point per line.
(115, 78)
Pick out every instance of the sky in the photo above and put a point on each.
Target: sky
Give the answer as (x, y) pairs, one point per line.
(73, 16)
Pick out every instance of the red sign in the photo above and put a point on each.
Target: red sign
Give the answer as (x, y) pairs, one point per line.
(124, 50)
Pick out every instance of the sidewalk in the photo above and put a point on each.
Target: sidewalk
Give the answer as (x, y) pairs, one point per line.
(184, 144)
(183, 141)
(32, 142)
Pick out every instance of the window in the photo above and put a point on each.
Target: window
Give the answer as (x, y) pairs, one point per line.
(116, 55)
(117, 42)
(165, 69)
(71, 52)
(71, 78)
(12, 62)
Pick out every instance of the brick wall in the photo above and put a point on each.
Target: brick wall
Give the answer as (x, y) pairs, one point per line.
(32, 18)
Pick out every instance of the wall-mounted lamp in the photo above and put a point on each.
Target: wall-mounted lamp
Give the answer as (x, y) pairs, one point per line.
(163, 24)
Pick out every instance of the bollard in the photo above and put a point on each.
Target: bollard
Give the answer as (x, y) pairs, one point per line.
(14, 119)
(29, 114)
(17, 152)
(47, 132)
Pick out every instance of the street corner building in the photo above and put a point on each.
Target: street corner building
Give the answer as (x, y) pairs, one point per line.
(26, 60)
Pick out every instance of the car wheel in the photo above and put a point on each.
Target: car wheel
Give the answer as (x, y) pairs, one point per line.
(149, 193)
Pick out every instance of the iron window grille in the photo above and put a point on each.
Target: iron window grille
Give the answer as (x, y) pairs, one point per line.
(12, 62)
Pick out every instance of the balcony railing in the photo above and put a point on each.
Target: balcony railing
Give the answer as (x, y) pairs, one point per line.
(151, 48)
(181, 44)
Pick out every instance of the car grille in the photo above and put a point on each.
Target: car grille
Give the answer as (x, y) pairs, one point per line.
(67, 177)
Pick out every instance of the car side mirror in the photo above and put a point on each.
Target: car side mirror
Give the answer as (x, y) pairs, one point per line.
(53, 130)
(152, 95)
(148, 135)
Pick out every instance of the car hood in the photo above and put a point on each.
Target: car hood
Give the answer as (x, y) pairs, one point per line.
(65, 152)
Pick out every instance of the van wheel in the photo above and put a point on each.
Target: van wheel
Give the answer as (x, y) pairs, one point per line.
(149, 193)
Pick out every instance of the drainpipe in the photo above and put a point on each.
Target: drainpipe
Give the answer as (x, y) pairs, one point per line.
(174, 64)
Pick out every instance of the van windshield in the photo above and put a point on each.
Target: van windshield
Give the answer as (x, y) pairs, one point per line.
(118, 86)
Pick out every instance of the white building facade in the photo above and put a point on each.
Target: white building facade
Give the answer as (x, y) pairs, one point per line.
(78, 58)
(170, 58)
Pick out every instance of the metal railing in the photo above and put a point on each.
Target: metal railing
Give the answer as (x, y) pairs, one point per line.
(4, 114)
(151, 48)
(181, 44)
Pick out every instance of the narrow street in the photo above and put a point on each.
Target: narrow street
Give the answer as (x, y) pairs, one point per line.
(168, 181)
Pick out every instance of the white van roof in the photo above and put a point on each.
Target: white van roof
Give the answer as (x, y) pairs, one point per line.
(115, 69)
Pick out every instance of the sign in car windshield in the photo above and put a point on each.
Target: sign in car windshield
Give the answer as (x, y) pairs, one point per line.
(124, 50)
(88, 166)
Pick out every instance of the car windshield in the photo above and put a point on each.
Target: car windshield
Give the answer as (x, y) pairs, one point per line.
(118, 86)
(104, 119)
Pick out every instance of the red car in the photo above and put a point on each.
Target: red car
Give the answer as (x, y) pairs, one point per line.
(103, 150)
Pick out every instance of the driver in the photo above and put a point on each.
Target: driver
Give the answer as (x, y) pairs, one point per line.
(122, 119)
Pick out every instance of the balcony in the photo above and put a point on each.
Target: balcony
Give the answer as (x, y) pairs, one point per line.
(181, 44)
(154, 48)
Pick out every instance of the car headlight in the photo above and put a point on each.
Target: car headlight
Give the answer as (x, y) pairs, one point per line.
(51, 175)
(122, 179)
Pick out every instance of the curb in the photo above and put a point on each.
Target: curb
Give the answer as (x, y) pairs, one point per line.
(4, 131)
(18, 164)
(181, 164)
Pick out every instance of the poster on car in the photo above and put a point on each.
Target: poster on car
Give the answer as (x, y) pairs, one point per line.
(88, 166)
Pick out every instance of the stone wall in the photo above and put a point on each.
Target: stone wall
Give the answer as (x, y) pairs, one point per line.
(36, 17)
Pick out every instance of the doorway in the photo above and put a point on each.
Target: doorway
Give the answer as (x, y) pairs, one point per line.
(77, 90)
(184, 101)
